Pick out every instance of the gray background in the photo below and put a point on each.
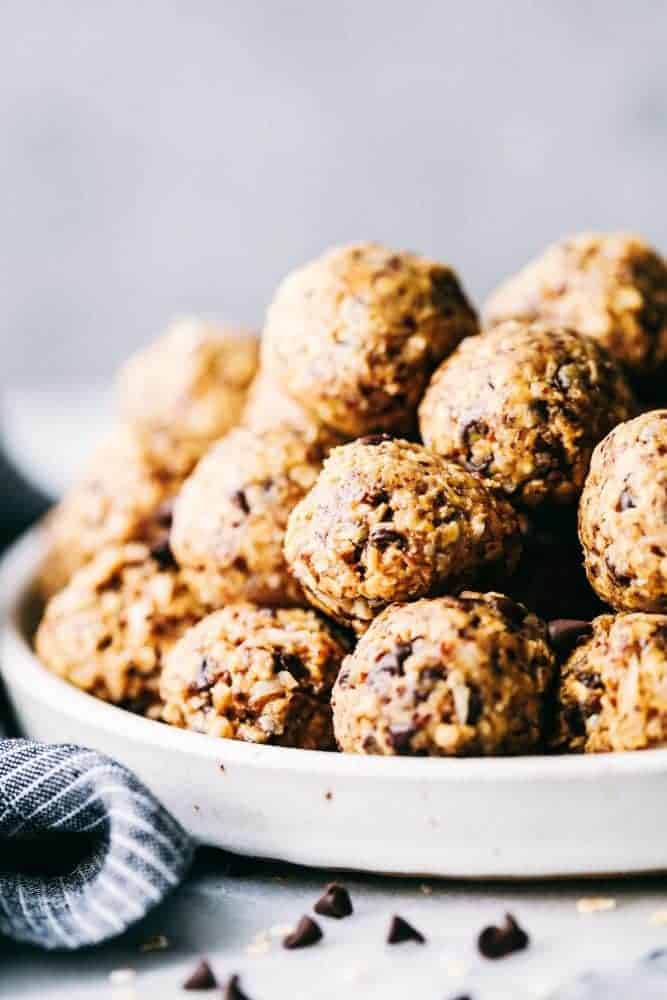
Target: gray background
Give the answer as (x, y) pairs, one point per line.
(164, 157)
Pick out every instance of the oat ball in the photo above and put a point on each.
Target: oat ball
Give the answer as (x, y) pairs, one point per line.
(354, 335)
(122, 496)
(187, 389)
(613, 688)
(623, 515)
(450, 676)
(524, 406)
(269, 407)
(230, 517)
(390, 521)
(611, 287)
(109, 630)
(263, 675)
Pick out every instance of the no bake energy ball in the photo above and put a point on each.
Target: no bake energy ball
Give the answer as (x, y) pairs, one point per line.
(269, 407)
(354, 335)
(263, 675)
(613, 689)
(122, 496)
(230, 517)
(451, 676)
(623, 515)
(611, 287)
(523, 406)
(108, 631)
(390, 521)
(187, 389)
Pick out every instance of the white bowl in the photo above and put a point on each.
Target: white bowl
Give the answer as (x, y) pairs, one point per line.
(505, 817)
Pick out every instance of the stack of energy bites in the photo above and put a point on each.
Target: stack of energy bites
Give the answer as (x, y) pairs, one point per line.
(364, 533)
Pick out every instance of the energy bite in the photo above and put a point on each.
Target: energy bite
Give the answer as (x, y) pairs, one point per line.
(610, 287)
(354, 335)
(623, 515)
(263, 675)
(109, 630)
(389, 521)
(613, 688)
(269, 407)
(450, 676)
(187, 389)
(122, 496)
(523, 406)
(230, 517)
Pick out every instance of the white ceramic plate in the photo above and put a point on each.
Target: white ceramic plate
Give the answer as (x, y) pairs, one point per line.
(510, 817)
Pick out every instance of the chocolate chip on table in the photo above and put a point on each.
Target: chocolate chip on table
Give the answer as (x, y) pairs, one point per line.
(201, 978)
(400, 930)
(233, 990)
(565, 633)
(335, 902)
(498, 942)
(306, 933)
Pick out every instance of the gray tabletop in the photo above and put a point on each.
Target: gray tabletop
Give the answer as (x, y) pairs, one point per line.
(236, 912)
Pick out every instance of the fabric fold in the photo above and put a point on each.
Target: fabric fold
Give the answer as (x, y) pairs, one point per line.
(85, 849)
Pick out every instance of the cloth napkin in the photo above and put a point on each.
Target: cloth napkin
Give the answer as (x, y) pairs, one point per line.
(85, 849)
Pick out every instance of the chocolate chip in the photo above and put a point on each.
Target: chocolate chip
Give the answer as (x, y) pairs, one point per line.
(565, 633)
(400, 930)
(374, 439)
(292, 664)
(305, 934)
(574, 720)
(626, 501)
(233, 990)
(475, 705)
(241, 501)
(381, 538)
(392, 662)
(335, 902)
(497, 942)
(509, 609)
(201, 978)
(203, 680)
(400, 738)
(163, 556)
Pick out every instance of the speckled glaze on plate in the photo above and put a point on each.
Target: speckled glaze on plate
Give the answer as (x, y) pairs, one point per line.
(476, 818)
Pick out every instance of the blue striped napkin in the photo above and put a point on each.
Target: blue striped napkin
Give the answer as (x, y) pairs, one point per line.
(85, 849)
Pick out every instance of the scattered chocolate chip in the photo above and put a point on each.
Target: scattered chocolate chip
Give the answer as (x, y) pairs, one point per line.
(381, 538)
(565, 633)
(241, 501)
(392, 662)
(306, 933)
(201, 978)
(498, 942)
(400, 930)
(292, 664)
(233, 990)
(163, 556)
(574, 720)
(400, 738)
(374, 439)
(335, 902)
